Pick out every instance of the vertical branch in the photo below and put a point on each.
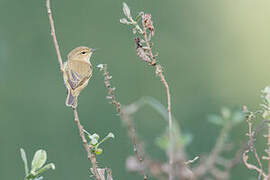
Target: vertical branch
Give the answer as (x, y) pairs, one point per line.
(124, 115)
(268, 152)
(49, 11)
(159, 72)
(146, 54)
(91, 156)
(148, 25)
(132, 133)
(251, 145)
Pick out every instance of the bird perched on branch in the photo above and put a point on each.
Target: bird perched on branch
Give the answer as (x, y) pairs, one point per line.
(77, 72)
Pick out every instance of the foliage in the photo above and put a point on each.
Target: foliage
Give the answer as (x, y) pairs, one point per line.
(37, 166)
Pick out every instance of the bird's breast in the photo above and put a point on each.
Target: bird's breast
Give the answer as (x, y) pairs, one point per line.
(81, 67)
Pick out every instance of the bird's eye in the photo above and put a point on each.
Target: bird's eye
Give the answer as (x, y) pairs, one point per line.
(83, 52)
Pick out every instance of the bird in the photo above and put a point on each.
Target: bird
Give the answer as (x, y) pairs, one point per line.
(76, 73)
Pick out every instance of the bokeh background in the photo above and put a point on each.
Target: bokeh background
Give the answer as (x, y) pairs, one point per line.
(215, 53)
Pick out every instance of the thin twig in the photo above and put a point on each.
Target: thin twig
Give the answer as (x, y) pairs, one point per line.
(59, 57)
(124, 116)
(210, 161)
(251, 134)
(171, 149)
(268, 150)
(148, 25)
(146, 54)
(192, 160)
(251, 166)
(133, 136)
(91, 156)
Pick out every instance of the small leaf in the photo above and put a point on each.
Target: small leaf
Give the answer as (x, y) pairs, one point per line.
(39, 178)
(95, 136)
(126, 11)
(110, 135)
(93, 142)
(46, 168)
(162, 142)
(266, 114)
(39, 160)
(139, 16)
(187, 139)
(215, 119)
(237, 117)
(23, 155)
(266, 94)
(94, 139)
(226, 113)
(98, 151)
(124, 21)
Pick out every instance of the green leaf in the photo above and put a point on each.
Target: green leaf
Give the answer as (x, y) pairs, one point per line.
(155, 104)
(95, 136)
(98, 151)
(124, 21)
(162, 142)
(94, 139)
(93, 142)
(226, 113)
(39, 178)
(238, 117)
(187, 139)
(110, 135)
(126, 11)
(46, 168)
(139, 16)
(39, 160)
(215, 119)
(23, 155)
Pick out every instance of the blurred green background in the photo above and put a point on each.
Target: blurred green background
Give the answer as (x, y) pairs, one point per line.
(215, 53)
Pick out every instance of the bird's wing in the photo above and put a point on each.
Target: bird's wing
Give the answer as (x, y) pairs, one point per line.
(75, 79)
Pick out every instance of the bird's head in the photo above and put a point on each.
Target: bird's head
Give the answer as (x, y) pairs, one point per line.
(81, 53)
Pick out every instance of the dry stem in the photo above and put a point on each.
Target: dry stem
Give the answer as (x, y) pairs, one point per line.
(251, 146)
(132, 134)
(124, 116)
(251, 134)
(147, 32)
(209, 163)
(91, 156)
(268, 152)
(59, 57)
(171, 153)
(147, 25)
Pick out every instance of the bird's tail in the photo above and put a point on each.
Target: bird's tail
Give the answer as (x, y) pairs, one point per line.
(71, 100)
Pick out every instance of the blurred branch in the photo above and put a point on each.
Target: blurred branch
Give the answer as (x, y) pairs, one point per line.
(251, 166)
(192, 160)
(91, 156)
(124, 116)
(209, 163)
(158, 169)
(212, 163)
(144, 35)
(252, 133)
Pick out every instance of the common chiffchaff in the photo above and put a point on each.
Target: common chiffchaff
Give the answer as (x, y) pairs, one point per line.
(77, 72)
